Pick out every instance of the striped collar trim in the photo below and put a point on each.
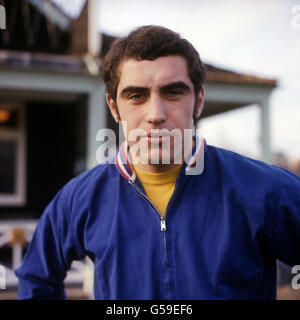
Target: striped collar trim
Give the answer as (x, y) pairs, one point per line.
(194, 162)
(123, 164)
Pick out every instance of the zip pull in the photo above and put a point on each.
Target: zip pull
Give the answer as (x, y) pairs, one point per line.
(163, 224)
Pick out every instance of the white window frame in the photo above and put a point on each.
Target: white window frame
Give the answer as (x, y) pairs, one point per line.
(18, 198)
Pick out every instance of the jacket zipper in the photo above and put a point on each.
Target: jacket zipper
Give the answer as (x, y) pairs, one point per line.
(163, 228)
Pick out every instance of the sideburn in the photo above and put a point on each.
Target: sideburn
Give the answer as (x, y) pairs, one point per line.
(195, 119)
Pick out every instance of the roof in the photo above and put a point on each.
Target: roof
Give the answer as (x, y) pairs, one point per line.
(215, 74)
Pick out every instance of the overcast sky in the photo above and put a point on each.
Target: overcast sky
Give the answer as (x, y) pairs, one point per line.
(250, 36)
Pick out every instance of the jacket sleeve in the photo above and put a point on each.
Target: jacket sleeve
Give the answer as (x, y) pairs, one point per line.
(49, 254)
(282, 220)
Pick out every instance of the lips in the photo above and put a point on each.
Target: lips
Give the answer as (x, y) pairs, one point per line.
(155, 133)
(156, 137)
(158, 134)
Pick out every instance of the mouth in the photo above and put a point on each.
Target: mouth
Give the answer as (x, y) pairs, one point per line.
(156, 137)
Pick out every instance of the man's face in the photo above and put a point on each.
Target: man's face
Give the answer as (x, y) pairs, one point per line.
(157, 95)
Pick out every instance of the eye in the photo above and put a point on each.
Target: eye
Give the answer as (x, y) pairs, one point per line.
(174, 93)
(136, 97)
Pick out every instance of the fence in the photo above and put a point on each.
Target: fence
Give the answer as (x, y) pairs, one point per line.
(16, 235)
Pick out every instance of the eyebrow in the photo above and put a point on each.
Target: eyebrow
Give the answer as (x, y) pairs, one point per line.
(133, 89)
(144, 90)
(175, 85)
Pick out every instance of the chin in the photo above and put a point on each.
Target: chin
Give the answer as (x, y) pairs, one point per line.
(160, 156)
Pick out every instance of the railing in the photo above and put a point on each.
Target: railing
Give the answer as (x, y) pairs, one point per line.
(16, 235)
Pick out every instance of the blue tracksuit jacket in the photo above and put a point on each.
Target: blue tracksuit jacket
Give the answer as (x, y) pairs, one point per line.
(222, 233)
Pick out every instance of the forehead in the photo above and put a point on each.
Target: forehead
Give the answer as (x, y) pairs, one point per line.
(152, 73)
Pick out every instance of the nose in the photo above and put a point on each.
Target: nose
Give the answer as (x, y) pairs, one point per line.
(156, 110)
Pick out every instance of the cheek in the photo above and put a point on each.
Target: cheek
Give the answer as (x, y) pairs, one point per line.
(127, 113)
(132, 118)
(182, 115)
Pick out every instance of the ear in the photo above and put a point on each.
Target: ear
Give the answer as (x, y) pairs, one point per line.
(200, 103)
(112, 107)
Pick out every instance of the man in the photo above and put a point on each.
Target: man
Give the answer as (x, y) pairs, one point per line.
(207, 224)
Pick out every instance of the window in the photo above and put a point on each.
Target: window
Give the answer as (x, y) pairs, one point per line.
(12, 155)
(7, 172)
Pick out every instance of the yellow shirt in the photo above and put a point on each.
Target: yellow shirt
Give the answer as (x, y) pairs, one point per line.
(159, 187)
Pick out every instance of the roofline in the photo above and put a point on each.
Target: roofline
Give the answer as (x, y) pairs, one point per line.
(43, 62)
(220, 75)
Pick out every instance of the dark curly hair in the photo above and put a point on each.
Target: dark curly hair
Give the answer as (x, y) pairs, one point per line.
(149, 43)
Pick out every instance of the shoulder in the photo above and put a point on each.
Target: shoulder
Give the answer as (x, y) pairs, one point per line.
(234, 162)
(248, 173)
(80, 189)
